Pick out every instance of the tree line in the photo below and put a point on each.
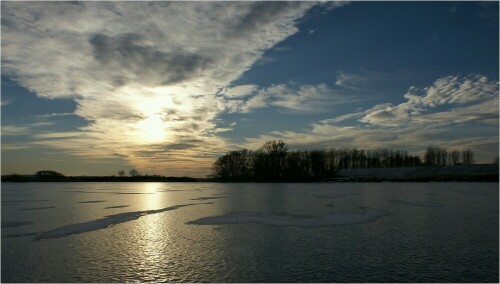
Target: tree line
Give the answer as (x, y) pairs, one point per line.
(275, 162)
(438, 156)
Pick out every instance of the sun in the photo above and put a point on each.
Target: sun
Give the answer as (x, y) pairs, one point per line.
(151, 129)
(150, 104)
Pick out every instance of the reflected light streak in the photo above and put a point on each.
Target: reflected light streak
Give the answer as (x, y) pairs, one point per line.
(154, 236)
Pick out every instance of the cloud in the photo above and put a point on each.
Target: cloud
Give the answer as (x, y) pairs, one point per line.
(145, 75)
(292, 98)
(474, 97)
(56, 135)
(22, 129)
(240, 91)
(348, 80)
(365, 80)
(55, 114)
(13, 147)
(442, 114)
(5, 102)
(342, 117)
(454, 89)
(129, 58)
(9, 130)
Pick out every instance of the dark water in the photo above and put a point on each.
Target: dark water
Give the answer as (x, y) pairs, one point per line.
(353, 232)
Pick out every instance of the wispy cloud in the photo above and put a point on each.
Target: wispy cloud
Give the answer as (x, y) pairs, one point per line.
(5, 102)
(364, 80)
(239, 91)
(149, 86)
(11, 146)
(292, 97)
(474, 97)
(440, 114)
(56, 135)
(9, 130)
(55, 114)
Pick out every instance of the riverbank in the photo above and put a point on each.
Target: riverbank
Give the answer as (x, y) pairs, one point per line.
(459, 173)
(482, 172)
(32, 178)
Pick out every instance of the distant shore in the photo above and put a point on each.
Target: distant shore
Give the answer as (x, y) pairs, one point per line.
(459, 173)
(32, 178)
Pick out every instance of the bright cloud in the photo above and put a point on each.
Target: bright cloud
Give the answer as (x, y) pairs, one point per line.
(473, 97)
(292, 98)
(240, 91)
(414, 124)
(146, 75)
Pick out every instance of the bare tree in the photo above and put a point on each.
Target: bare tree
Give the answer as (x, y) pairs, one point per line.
(233, 166)
(467, 157)
(318, 163)
(270, 159)
(121, 173)
(430, 156)
(133, 173)
(454, 157)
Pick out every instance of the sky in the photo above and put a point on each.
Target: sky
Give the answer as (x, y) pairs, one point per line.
(91, 88)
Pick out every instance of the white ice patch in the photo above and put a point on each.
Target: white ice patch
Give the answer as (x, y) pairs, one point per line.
(103, 223)
(332, 219)
(417, 203)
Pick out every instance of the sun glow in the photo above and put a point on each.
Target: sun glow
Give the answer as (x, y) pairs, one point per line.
(151, 129)
(150, 104)
(161, 111)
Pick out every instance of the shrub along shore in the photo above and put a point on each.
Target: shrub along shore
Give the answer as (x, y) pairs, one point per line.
(273, 162)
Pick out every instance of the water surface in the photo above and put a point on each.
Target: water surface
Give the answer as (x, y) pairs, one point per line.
(209, 232)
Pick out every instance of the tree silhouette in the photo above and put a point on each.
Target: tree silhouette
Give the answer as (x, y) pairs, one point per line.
(274, 162)
(270, 160)
(133, 173)
(467, 157)
(454, 157)
(318, 164)
(234, 166)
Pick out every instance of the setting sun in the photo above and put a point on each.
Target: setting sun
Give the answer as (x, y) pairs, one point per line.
(151, 129)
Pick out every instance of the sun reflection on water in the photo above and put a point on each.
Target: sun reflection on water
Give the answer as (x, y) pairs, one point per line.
(154, 241)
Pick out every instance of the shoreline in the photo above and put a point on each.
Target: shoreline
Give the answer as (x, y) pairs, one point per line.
(459, 173)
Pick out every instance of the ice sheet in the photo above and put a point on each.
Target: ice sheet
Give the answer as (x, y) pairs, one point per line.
(207, 198)
(19, 235)
(332, 219)
(417, 203)
(335, 195)
(38, 208)
(15, 224)
(103, 223)
(22, 201)
(117, 206)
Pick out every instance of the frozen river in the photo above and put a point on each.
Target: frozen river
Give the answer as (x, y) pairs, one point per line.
(212, 232)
